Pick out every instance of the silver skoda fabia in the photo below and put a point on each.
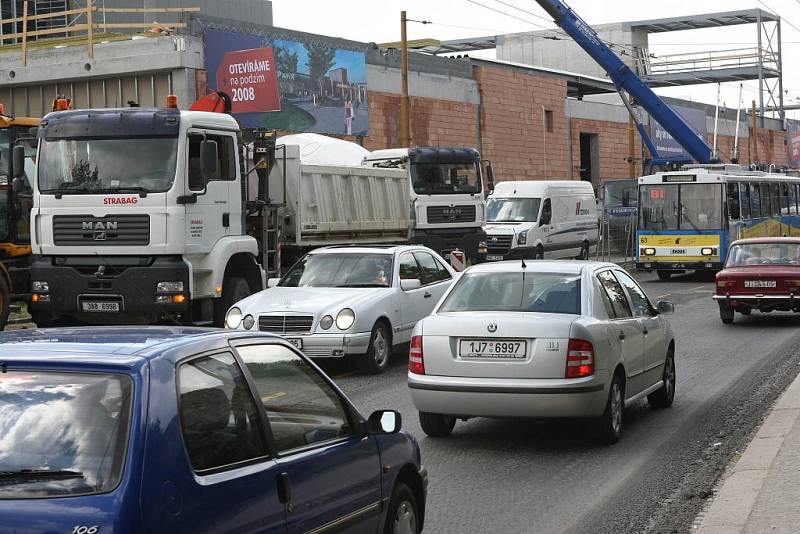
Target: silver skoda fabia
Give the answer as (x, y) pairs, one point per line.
(541, 339)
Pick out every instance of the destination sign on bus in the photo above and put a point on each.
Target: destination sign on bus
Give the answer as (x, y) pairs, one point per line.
(673, 178)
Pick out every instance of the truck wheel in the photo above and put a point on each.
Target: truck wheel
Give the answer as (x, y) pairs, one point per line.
(663, 275)
(5, 305)
(234, 289)
(376, 360)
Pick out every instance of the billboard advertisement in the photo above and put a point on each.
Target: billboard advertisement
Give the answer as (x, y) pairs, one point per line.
(666, 145)
(302, 86)
(794, 143)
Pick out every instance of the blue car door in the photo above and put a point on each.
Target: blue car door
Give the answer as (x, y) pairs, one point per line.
(207, 466)
(329, 472)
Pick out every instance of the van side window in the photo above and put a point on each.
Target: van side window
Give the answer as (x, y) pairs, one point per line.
(547, 212)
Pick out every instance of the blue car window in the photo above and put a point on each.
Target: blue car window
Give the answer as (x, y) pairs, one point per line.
(62, 434)
(219, 419)
(303, 409)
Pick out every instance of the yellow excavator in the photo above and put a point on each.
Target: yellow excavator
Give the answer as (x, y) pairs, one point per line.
(16, 202)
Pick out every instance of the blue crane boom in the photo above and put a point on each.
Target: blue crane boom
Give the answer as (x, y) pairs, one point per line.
(625, 79)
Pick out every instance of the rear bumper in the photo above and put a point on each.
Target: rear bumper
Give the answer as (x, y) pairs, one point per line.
(509, 397)
(762, 302)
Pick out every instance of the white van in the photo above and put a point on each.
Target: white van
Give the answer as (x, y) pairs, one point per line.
(540, 219)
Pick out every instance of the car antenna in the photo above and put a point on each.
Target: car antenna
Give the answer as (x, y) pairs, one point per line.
(523, 263)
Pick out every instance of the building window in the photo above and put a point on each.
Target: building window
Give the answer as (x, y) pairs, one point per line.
(548, 120)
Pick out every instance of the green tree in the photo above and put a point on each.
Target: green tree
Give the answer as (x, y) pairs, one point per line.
(320, 61)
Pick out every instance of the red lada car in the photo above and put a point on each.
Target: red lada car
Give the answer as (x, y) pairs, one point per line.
(760, 274)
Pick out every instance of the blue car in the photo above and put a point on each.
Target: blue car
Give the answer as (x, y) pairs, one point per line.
(163, 429)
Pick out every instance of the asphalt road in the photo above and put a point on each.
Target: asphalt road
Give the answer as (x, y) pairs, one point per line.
(548, 476)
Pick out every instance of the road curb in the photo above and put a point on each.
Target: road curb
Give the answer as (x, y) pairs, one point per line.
(735, 500)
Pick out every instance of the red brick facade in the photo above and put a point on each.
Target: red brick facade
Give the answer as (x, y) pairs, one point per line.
(613, 148)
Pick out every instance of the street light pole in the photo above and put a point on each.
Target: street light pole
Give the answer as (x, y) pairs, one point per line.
(405, 102)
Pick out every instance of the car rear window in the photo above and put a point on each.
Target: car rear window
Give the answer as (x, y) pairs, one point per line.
(764, 254)
(62, 434)
(515, 292)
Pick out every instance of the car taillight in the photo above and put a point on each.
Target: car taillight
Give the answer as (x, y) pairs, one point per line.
(792, 283)
(416, 363)
(726, 284)
(580, 359)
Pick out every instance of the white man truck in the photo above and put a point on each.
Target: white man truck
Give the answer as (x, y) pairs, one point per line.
(146, 214)
(446, 193)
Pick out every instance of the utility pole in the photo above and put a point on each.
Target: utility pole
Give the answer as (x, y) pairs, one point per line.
(405, 103)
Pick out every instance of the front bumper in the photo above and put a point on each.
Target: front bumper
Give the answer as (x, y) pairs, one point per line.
(332, 345)
(445, 240)
(129, 280)
(790, 302)
(509, 397)
(678, 265)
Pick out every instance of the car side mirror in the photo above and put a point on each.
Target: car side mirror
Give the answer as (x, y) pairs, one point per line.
(384, 422)
(272, 282)
(409, 284)
(18, 161)
(665, 308)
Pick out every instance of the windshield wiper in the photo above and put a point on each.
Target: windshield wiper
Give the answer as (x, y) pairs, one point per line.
(25, 475)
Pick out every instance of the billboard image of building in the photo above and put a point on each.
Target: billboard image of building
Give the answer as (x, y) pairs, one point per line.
(304, 86)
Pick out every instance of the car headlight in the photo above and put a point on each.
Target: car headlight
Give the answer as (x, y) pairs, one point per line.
(248, 322)
(345, 319)
(650, 251)
(522, 238)
(169, 287)
(708, 251)
(326, 322)
(233, 318)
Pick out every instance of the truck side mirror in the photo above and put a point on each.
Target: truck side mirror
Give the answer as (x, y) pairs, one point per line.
(209, 156)
(489, 177)
(18, 161)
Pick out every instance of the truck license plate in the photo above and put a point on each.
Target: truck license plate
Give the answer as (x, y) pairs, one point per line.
(297, 342)
(99, 306)
(760, 283)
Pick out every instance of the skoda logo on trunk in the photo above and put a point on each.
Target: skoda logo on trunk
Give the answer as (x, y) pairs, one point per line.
(492, 327)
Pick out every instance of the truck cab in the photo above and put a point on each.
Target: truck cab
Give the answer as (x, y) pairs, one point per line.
(139, 217)
(446, 192)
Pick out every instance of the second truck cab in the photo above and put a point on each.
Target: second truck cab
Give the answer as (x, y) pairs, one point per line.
(540, 219)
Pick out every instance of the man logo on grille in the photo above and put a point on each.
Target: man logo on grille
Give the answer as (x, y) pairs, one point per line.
(100, 235)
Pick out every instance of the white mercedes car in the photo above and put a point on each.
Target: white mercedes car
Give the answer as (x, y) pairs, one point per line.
(349, 300)
(542, 339)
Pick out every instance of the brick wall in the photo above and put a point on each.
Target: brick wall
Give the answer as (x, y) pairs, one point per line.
(613, 147)
(433, 122)
(512, 124)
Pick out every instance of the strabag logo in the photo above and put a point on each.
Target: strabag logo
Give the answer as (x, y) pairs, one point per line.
(120, 200)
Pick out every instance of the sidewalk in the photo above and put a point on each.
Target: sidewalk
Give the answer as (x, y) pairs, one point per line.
(762, 491)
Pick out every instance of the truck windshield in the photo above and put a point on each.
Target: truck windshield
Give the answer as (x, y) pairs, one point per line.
(87, 166)
(512, 209)
(515, 292)
(445, 178)
(63, 433)
(340, 270)
(680, 207)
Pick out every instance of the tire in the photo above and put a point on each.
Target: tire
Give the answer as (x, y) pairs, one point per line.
(608, 427)
(437, 425)
(5, 305)
(663, 397)
(538, 253)
(234, 289)
(402, 517)
(584, 254)
(725, 313)
(376, 360)
(663, 275)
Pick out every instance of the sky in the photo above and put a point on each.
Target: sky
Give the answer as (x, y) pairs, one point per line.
(378, 21)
